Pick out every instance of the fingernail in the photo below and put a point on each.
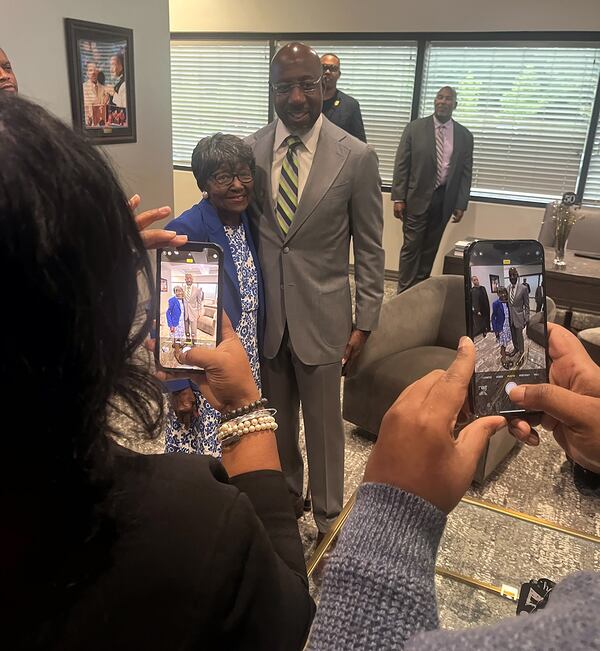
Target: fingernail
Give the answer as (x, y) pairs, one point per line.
(463, 341)
(165, 210)
(517, 394)
(171, 233)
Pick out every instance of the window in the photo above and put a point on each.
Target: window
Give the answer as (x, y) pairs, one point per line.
(528, 107)
(380, 76)
(591, 194)
(217, 87)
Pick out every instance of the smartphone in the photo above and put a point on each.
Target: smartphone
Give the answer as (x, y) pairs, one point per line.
(506, 318)
(188, 302)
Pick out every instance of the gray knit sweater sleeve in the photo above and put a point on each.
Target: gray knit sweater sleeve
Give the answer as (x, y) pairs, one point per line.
(379, 587)
(378, 591)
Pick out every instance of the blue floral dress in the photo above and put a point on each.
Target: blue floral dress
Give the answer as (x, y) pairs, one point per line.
(505, 335)
(201, 436)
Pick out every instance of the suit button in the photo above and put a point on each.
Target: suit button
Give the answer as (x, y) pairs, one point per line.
(286, 249)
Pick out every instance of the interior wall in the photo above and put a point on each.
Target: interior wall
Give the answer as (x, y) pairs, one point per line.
(34, 40)
(383, 15)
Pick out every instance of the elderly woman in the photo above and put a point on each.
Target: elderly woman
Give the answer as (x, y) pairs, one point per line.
(224, 170)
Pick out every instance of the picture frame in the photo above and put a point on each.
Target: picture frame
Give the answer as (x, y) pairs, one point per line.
(164, 286)
(101, 81)
(494, 283)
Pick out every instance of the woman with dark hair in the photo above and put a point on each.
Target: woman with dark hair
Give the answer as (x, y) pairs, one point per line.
(224, 169)
(103, 548)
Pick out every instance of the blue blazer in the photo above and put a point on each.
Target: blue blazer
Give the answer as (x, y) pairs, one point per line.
(173, 312)
(202, 224)
(497, 316)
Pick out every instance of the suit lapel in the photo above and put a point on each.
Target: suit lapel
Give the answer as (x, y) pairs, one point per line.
(456, 150)
(430, 134)
(328, 160)
(263, 153)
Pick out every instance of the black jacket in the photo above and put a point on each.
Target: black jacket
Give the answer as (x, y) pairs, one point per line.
(199, 562)
(345, 112)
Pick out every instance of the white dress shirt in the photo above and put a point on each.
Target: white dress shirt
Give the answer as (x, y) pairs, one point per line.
(448, 129)
(120, 96)
(306, 153)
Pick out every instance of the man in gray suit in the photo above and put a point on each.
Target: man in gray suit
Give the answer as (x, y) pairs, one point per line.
(316, 187)
(432, 181)
(518, 309)
(194, 299)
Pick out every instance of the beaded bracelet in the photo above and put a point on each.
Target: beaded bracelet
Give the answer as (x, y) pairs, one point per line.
(258, 421)
(246, 409)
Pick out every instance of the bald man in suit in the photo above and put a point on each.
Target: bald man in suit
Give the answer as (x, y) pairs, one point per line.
(432, 182)
(317, 189)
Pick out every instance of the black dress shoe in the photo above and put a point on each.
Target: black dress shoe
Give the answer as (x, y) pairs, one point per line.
(298, 502)
(586, 481)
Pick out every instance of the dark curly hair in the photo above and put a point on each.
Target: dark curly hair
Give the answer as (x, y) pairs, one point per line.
(69, 242)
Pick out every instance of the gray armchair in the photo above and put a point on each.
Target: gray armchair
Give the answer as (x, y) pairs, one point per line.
(418, 332)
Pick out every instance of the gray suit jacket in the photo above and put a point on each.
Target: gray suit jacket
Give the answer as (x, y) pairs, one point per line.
(415, 168)
(194, 305)
(519, 307)
(306, 271)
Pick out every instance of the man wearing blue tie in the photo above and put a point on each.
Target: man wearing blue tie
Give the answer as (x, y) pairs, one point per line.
(432, 181)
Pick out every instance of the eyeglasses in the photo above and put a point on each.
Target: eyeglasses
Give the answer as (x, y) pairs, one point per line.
(225, 179)
(330, 67)
(309, 86)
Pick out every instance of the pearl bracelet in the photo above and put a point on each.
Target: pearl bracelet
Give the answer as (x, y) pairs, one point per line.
(230, 432)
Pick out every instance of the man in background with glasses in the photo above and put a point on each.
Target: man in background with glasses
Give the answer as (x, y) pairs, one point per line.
(338, 107)
(316, 186)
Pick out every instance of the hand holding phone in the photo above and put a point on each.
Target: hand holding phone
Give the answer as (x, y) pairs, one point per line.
(502, 278)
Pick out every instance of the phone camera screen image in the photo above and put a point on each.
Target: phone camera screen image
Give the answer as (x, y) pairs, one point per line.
(506, 320)
(188, 307)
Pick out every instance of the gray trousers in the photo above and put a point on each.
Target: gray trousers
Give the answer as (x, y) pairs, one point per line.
(517, 337)
(287, 382)
(191, 326)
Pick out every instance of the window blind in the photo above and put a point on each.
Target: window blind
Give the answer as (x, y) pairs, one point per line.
(591, 193)
(380, 76)
(217, 87)
(528, 107)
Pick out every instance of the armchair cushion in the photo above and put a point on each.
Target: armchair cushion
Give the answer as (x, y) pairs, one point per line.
(368, 397)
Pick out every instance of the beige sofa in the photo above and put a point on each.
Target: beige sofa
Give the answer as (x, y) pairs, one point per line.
(207, 322)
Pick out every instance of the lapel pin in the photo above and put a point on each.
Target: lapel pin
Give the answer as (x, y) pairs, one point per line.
(337, 102)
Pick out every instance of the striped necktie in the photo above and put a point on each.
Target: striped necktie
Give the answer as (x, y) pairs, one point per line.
(287, 195)
(439, 153)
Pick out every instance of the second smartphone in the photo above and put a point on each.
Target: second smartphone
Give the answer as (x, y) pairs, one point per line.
(188, 306)
(506, 318)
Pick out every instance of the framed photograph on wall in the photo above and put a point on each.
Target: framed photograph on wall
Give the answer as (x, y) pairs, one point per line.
(494, 283)
(164, 286)
(101, 80)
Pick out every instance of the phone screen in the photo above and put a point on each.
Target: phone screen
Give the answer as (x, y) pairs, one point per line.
(506, 318)
(189, 301)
